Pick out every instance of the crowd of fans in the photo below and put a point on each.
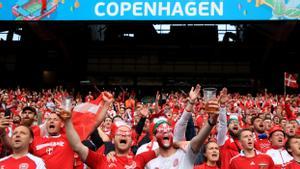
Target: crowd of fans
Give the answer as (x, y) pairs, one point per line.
(176, 130)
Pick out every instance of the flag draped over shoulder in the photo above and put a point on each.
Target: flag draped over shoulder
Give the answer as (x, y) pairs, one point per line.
(290, 80)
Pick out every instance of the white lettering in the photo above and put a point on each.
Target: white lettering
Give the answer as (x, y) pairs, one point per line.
(203, 9)
(97, 10)
(137, 6)
(51, 144)
(177, 9)
(110, 7)
(151, 9)
(162, 8)
(214, 7)
(126, 6)
(190, 9)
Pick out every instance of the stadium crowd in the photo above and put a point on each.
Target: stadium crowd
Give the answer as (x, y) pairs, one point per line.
(177, 130)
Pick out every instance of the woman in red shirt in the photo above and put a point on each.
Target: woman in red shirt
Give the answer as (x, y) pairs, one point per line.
(211, 154)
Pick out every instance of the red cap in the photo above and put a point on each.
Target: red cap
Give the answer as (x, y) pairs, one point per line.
(275, 128)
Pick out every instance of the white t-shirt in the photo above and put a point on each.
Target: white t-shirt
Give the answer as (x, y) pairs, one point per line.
(145, 147)
(179, 160)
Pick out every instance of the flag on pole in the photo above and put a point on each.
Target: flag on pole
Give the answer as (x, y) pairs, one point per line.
(290, 80)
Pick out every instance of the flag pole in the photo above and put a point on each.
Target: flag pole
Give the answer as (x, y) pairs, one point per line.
(284, 86)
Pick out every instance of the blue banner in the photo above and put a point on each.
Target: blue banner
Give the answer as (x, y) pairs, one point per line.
(147, 10)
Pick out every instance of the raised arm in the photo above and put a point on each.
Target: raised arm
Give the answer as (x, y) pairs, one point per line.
(222, 128)
(101, 112)
(180, 127)
(75, 141)
(4, 123)
(200, 138)
(73, 136)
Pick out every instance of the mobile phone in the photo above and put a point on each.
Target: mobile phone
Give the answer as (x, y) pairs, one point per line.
(7, 113)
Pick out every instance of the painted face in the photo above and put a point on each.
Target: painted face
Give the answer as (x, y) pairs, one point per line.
(164, 136)
(234, 127)
(123, 139)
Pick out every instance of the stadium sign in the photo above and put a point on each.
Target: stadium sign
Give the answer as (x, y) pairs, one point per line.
(150, 10)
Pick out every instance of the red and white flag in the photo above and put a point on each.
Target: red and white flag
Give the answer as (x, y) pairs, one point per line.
(290, 80)
(84, 116)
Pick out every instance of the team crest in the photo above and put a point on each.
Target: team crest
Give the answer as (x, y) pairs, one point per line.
(23, 166)
(176, 162)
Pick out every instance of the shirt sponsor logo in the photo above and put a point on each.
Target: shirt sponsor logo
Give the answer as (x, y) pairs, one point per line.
(263, 166)
(51, 144)
(23, 166)
(252, 163)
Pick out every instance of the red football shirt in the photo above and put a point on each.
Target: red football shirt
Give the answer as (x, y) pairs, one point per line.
(230, 149)
(293, 165)
(261, 145)
(205, 166)
(98, 161)
(28, 161)
(259, 161)
(54, 151)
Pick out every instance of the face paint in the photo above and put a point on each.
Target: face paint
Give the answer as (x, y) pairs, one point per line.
(164, 136)
(123, 133)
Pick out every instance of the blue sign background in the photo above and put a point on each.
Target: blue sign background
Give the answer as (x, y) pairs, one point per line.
(85, 10)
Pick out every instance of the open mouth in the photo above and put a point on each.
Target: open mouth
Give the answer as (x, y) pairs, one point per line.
(261, 126)
(51, 126)
(17, 141)
(214, 155)
(166, 139)
(280, 141)
(235, 128)
(123, 141)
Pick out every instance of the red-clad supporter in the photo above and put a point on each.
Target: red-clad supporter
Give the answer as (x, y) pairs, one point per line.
(227, 137)
(121, 136)
(268, 124)
(290, 130)
(211, 156)
(293, 147)
(262, 143)
(21, 158)
(278, 153)
(249, 157)
(54, 148)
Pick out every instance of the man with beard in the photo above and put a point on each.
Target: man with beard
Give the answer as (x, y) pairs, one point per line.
(249, 157)
(227, 137)
(262, 143)
(28, 115)
(278, 153)
(170, 157)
